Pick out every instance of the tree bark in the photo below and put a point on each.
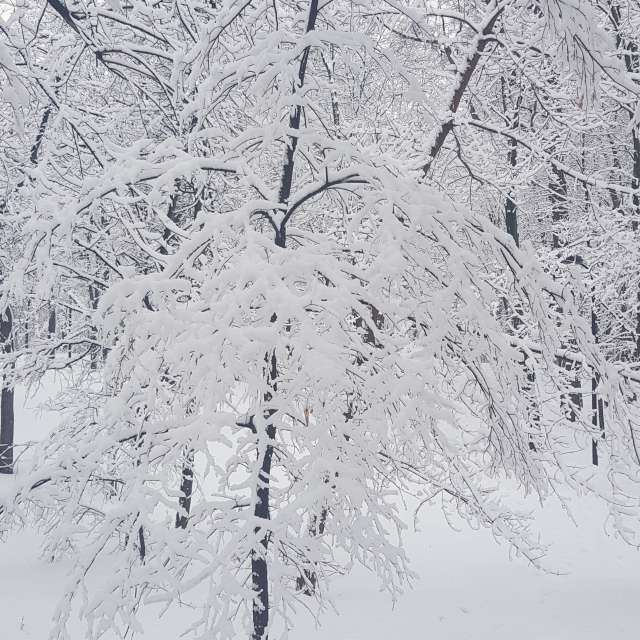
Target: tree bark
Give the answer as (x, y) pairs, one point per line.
(630, 55)
(259, 565)
(186, 489)
(464, 78)
(6, 398)
(262, 511)
(597, 404)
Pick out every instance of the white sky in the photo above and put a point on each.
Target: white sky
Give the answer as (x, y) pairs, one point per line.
(6, 7)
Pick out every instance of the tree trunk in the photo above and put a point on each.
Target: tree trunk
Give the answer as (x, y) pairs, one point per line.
(259, 566)
(511, 224)
(629, 54)
(464, 77)
(635, 225)
(559, 205)
(94, 296)
(186, 489)
(52, 321)
(6, 398)
(597, 404)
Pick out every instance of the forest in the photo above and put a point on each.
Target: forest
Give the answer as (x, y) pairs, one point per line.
(294, 273)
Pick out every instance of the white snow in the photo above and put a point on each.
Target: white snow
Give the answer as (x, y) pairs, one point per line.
(468, 589)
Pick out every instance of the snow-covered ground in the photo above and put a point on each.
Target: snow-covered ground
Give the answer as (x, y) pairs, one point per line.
(469, 588)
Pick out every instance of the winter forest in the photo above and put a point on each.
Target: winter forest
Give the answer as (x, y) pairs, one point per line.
(293, 281)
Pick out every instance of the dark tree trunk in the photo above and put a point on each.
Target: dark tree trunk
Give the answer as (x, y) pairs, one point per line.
(307, 582)
(629, 54)
(635, 182)
(7, 338)
(510, 208)
(6, 430)
(559, 204)
(26, 325)
(6, 397)
(511, 224)
(52, 321)
(142, 545)
(464, 78)
(67, 330)
(597, 404)
(262, 511)
(94, 296)
(259, 566)
(511, 218)
(186, 481)
(635, 225)
(558, 195)
(186, 489)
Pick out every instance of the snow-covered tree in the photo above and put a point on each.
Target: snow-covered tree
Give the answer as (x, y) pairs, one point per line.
(276, 324)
